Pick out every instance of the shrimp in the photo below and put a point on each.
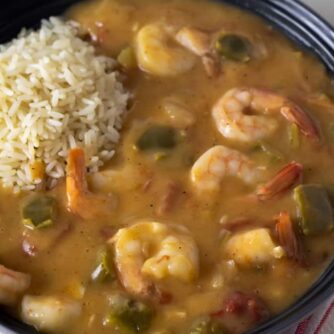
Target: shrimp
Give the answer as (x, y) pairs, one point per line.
(220, 161)
(282, 181)
(289, 239)
(233, 122)
(253, 247)
(49, 313)
(195, 40)
(178, 113)
(158, 53)
(149, 251)
(12, 285)
(199, 42)
(80, 200)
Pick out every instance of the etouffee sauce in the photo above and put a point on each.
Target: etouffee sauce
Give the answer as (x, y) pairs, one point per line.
(139, 180)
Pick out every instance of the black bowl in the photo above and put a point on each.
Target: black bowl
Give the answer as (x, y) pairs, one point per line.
(295, 20)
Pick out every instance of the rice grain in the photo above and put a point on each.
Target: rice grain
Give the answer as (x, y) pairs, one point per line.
(56, 94)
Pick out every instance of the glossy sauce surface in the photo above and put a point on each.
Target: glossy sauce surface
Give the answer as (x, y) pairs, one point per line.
(66, 253)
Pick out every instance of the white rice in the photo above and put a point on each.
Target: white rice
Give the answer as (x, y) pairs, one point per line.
(55, 94)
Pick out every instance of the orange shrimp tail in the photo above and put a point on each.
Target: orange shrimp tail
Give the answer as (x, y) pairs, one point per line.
(288, 238)
(76, 182)
(306, 125)
(283, 181)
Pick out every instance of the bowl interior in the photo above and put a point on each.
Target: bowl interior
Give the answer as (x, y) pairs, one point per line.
(296, 21)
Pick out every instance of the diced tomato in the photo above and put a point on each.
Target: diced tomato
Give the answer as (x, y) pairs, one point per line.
(244, 305)
(165, 298)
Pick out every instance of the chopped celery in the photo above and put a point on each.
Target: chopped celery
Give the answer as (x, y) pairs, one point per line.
(39, 212)
(105, 269)
(207, 325)
(157, 137)
(269, 151)
(224, 235)
(314, 208)
(233, 47)
(127, 58)
(294, 136)
(160, 156)
(128, 314)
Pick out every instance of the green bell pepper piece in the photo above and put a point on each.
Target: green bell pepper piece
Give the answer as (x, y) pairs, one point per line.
(157, 137)
(294, 136)
(39, 212)
(129, 315)
(314, 209)
(233, 47)
(105, 268)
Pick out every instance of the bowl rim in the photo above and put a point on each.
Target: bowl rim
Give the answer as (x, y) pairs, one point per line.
(308, 29)
(298, 22)
(295, 20)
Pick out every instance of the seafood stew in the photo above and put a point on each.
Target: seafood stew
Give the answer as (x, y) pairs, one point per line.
(216, 211)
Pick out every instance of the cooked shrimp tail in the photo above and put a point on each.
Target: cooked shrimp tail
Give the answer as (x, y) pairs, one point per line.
(288, 238)
(306, 125)
(80, 200)
(76, 182)
(284, 180)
